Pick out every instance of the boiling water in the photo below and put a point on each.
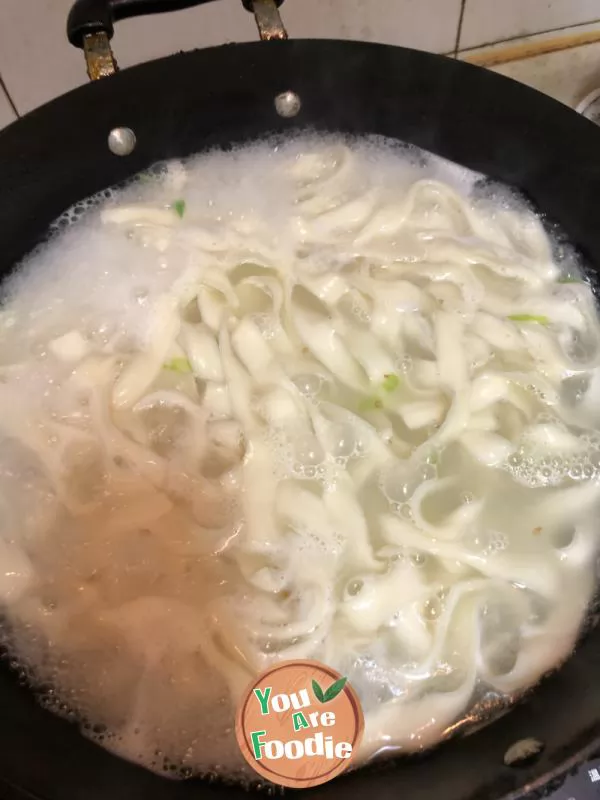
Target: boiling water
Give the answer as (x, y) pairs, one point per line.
(308, 399)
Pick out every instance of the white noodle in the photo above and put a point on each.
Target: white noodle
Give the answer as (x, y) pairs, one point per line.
(339, 410)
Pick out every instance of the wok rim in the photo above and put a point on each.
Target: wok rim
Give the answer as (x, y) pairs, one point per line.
(88, 98)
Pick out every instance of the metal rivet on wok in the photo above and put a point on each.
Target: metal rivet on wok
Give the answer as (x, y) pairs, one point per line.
(523, 753)
(287, 104)
(121, 141)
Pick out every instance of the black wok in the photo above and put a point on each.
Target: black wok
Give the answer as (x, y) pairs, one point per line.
(179, 105)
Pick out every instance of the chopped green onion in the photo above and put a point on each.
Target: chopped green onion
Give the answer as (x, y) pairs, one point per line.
(178, 365)
(178, 207)
(541, 320)
(390, 382)
(370, 404)
(568, 279)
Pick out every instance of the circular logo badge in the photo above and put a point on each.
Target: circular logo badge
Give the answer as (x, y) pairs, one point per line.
(299, 724)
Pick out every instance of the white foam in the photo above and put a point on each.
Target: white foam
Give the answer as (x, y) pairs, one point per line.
(122, 603)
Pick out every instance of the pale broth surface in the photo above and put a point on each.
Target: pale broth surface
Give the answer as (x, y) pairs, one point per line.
(320, 399)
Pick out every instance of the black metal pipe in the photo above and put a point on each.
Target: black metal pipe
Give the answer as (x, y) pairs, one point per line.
(97, 16)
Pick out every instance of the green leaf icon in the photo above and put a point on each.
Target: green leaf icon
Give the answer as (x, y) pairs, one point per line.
(329, 694)
(318, 692)
(334, 689)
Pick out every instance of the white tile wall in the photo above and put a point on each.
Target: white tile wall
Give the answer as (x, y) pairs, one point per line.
(567, 75)
(486, 21)
(422, 24)
(37, 63)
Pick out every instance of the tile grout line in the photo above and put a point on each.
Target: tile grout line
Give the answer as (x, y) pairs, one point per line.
(525, 36)
(8, 97)
(502, 54)
(461, 15)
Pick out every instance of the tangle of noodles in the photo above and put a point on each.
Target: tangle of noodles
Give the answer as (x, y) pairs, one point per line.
(316, 399)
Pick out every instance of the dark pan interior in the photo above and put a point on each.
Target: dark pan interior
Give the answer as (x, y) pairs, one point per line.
(187, 103)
